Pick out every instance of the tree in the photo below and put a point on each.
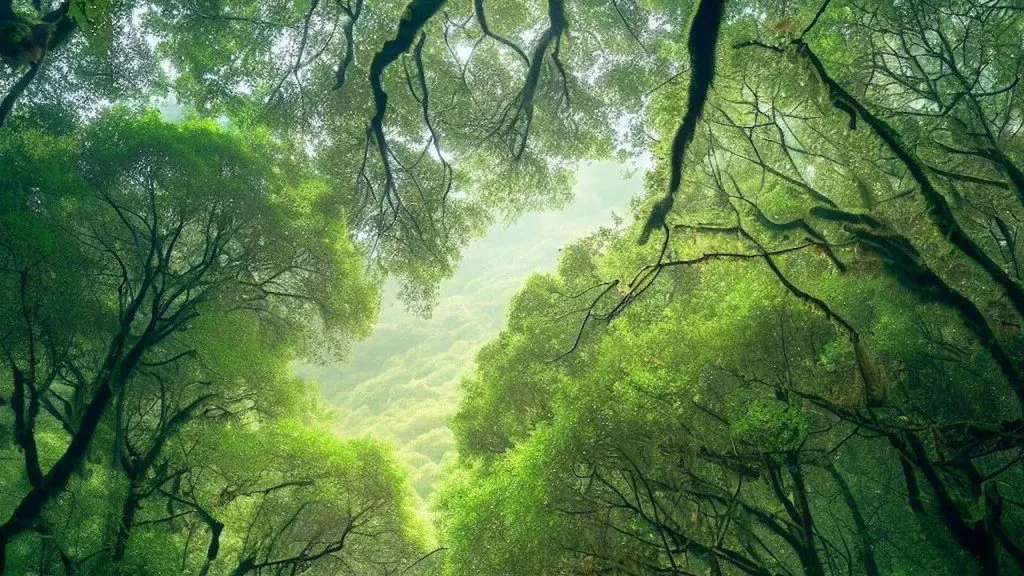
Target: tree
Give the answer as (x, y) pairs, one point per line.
(428, 128)
(827, 325)
(158, 232)
(281, 499)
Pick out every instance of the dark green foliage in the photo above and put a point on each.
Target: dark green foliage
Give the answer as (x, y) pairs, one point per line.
(817, 372)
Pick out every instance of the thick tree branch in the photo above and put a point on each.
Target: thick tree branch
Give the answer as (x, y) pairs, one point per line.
(702, 44)
(481, 20)
(939, 210)
(17, 90)
(350, 48)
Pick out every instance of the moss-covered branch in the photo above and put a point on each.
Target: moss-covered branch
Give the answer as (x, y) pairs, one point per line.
(702, 43)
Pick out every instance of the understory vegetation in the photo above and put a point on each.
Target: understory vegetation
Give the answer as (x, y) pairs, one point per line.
(801, 355)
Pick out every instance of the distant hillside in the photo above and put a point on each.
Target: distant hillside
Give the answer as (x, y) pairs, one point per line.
(401, 383)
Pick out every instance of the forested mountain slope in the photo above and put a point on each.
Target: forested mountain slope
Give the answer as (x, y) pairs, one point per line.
(401, 383)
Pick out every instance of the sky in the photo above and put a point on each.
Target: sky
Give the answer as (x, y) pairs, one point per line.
(401, 384)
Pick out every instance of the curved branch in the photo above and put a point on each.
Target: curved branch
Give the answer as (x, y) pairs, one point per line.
(553, 33)
(702, 44)
(18, 89)
(939, 211)
(817, 16)
(414, 19)
(481, 20)
(907, 268)
(350, 46)
(61, 27)
(865, 369)
(632, 33)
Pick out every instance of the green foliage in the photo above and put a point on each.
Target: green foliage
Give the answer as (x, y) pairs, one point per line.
(801, 363)
(161, 281)
(814, 366)
(95, 19)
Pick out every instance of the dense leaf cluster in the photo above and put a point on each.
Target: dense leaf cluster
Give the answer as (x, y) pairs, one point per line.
(817, 368)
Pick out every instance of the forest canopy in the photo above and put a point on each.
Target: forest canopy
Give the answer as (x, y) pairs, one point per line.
(803, 354)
